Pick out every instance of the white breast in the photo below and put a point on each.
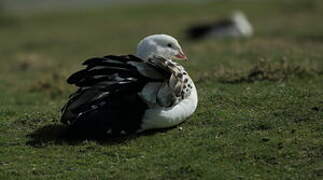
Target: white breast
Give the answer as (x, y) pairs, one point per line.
(160, 117)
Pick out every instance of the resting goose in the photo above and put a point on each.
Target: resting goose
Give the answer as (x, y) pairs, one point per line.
(128, 94)
(234, 27)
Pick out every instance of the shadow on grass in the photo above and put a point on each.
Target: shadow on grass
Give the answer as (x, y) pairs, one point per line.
(59, 134)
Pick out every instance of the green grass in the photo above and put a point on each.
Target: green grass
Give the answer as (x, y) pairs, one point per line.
(260, 113)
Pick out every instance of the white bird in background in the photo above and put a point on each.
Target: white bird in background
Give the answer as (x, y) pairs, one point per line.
(236, 27)
(129, 94)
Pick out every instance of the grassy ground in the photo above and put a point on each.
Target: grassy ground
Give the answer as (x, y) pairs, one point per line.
(260, 108)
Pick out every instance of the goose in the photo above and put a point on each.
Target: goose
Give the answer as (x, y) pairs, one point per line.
(234, 27)
(129, 94)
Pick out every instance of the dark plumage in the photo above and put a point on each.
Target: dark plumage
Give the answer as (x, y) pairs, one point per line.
(200, 31)
(107, 100)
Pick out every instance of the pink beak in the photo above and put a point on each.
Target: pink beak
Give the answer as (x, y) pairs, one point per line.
(181, 55)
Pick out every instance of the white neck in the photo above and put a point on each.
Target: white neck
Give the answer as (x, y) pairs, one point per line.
(146, 49)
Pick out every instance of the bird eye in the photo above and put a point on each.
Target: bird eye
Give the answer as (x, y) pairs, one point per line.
(169, 45)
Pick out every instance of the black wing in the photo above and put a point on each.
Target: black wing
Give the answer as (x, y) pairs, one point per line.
(107, 100)
(202, 30)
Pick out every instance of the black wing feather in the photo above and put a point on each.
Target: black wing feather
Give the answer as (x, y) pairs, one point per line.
(202, 30)
(107, 98)
(104, 70)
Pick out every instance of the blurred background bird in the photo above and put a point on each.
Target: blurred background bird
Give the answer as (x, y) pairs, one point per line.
(237, 26)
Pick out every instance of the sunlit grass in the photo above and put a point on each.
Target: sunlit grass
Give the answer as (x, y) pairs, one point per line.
(260, 107)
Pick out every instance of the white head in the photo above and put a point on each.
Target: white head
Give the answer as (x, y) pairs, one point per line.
(242, 23)
(160, 45)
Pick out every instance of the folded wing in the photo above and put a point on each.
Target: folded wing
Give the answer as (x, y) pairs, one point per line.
(108, 97)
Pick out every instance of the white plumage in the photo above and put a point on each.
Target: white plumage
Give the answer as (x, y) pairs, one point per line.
(161, 117)
(127, 94)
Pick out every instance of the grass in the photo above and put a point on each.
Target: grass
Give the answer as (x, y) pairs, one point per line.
(260, 112)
